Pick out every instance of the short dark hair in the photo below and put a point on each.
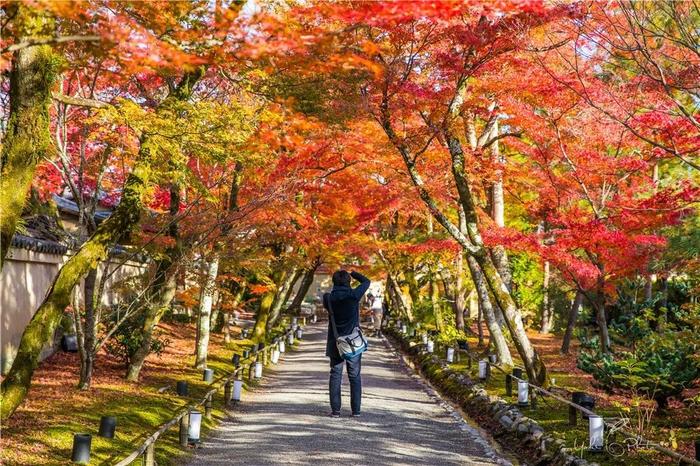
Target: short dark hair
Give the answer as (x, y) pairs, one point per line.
(341, 278)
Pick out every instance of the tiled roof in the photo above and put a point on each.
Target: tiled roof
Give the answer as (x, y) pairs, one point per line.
(66, 205)
(38, 245)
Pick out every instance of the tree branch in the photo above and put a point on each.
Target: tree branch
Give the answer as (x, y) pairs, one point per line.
(32, 41)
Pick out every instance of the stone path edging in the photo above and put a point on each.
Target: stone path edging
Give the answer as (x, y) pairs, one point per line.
(527, 433)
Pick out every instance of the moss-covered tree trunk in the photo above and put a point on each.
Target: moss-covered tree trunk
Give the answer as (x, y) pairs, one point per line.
(205, 306)
(164, 288)
(411, 285)
(600, 317)
(497, 339)
(27, 140)
(260, 327)
(498, 203)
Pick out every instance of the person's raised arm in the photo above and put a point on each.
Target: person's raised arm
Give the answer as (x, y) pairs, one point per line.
(362, 288)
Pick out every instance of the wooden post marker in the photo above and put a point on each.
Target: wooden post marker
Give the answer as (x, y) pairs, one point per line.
(184, 426)
(207, 406)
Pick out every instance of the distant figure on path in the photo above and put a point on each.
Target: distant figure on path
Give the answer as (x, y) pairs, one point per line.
(345, 302)
(377, 308)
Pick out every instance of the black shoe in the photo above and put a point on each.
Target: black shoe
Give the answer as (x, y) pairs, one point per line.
(335, 415)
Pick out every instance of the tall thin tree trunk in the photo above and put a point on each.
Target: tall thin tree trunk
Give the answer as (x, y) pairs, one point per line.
(87, 346)
(435, 302)
(306, 282)
(499, 254)
(205, 305)
(402, 300)
(485, 307)
(649, 287)
(215, 311)
(664, 292)
(480, 325)
(601, 320)
(459, 299)
(27, 139)
(547, 314)
(571, 323)
(284, 289)
(162, 292)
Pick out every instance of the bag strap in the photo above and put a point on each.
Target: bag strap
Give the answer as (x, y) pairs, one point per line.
(330, 313)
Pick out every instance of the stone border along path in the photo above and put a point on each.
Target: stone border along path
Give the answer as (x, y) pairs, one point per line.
(285, 420)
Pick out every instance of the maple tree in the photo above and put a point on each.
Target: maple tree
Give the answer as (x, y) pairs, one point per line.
(430, 142)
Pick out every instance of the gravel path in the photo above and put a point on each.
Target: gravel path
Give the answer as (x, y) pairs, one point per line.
(285, 420)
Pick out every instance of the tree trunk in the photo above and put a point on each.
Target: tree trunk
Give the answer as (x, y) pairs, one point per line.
(411, 288)
(205, 305)
(435, 302)
(664, 292)
(571, 323)
(88, 342)
(401, 300)
(306, 282)
(163, 290)
(459, 299)
(284, 289)
(534, 366)
(27, 139)
(498, 253)
(165, 286)
(480, 325)
(263, 315)
(602, 321)
(215, 311)
(486, 309)
(235, 301)
(649, 287)
(547, 314)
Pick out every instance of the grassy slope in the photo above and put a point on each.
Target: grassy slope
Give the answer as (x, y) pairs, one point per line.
(41, 431)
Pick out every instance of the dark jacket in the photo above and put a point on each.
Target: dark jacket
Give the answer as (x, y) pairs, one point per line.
(346, 310)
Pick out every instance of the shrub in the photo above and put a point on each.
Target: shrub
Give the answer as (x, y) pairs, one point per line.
(662, 362)
(127, 339)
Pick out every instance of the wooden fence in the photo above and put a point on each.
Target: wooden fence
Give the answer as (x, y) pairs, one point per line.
(146, 451)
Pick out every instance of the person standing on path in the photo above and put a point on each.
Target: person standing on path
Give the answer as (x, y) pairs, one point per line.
(377, 308)
(345, 303)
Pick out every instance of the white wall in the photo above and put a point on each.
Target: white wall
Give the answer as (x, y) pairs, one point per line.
(24, 281)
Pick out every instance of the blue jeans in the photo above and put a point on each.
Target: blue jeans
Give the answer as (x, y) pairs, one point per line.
(336, 377)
